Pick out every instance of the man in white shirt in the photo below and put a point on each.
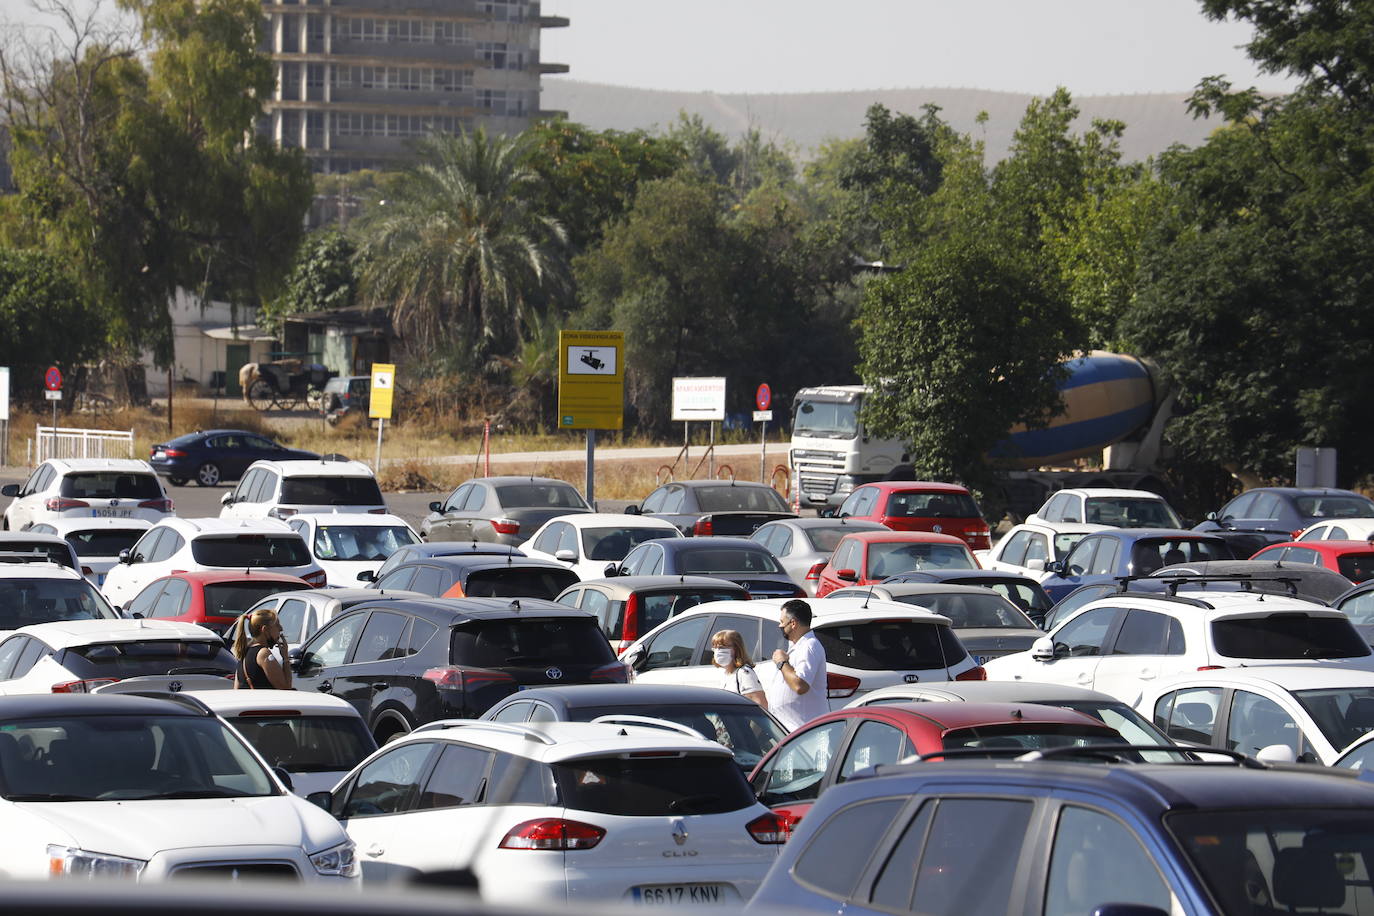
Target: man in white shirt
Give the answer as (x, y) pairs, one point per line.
(796, 693)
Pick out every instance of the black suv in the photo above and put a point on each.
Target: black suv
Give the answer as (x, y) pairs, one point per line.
(402, 663)
(479, 576)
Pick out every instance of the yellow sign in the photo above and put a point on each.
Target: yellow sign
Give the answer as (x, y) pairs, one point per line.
(591, 379)
(383, 385)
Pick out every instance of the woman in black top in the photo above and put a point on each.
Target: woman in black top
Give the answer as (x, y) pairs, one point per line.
(258, 667)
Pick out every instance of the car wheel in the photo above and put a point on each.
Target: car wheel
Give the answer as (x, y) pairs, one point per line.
(177, 481)
(207, 475)
(389, 730)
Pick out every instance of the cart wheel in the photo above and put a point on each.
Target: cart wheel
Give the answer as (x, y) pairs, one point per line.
(314, 398)
(287, 401)
(261, 396)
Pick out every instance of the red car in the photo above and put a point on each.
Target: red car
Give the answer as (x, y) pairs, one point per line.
(212, 599)
(1352, 559)
(920, 505)
(831, 748)
(866, 557)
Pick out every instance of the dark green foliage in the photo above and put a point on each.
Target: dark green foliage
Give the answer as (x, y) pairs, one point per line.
(322, 278)
(46, 321)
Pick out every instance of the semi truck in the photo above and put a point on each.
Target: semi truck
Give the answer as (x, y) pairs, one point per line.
(1114, 406)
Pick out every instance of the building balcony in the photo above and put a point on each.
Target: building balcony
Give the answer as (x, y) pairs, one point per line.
(554, 22)
(546, 68)
(414, 54)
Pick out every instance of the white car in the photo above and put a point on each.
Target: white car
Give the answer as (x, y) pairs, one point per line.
(96, 541)
(588, 542)
(347, 543)
(1026, 548)
(45, 592)
(37, 547)
(1281, 713)
(146, 789)
(869, 643)
(281, 489)
(1110, 507)
(561, 812)
(86, 488)
(1339, 529)
(1121, 643)
(189, 544)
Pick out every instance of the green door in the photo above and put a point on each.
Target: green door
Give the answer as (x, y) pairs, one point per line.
(235, 355)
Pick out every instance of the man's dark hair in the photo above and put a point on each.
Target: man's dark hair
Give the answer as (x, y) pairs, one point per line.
(799, 611)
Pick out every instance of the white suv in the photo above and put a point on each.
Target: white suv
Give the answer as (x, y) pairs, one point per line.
(86, 488)
(189, 544)
(1103, 506)
(44, 592)
(561, 812)
(280, 489)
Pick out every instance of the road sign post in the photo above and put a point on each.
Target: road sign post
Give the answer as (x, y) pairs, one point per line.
(379, 398)
(763, 396)
(591, 388)
(52, 381)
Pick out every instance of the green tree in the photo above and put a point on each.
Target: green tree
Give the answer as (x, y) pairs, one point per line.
(46, 320)
(324, 277)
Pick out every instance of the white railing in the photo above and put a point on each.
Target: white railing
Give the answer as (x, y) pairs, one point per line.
(62, 442)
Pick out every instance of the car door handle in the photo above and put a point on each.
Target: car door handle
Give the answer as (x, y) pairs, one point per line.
(380, 685)
(1147, 673)
(374, 850)
(325, 686)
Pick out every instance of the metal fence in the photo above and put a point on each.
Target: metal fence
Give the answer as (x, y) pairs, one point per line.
(62, 442)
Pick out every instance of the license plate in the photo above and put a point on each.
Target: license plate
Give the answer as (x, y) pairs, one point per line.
(159, 454)
(674, 894)
(112, 513)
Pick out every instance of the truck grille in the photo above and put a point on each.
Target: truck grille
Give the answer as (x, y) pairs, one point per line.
(237, 871)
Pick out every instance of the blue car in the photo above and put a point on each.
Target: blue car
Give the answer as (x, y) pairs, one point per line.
(1051, 837)
(1104, 555)
(211, 457)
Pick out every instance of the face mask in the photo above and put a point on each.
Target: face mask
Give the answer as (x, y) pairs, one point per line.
(724, 655)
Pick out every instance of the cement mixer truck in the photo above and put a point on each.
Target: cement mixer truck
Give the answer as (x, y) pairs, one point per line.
(1114, 407)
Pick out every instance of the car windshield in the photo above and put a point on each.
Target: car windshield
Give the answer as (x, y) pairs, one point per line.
(650, 784)
(891, 645)
(331, 491)
(1357, 567)
(352, 543)
(1344, 714)
(1030, 736)
(31, 551)
(1285, 635)
(1275, 859)
(250, 550)
(739, 499)
(103, 542)
(26, 601)
(1128, 512)
(539, 496)
(307, 743)
(748, 733)
(826, 419)
(508, 641)
(1334, 506)
(141, 758)
(139, 658)
(940, 504)
(716, 561)
(989, 611)
(1063, 543)
(656, 607)
(111, 485)
(614, 543)
(519, 582)
(890, 558)
(230, 599)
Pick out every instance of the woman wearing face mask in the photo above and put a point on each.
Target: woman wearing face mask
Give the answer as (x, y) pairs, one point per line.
(729, 654)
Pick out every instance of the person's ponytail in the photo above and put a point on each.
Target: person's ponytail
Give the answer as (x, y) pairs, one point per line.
(241, 638)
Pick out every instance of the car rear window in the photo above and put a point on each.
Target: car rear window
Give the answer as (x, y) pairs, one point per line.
(1287, 636)
(825, 540)
(1349, 506)
(515, 582)
(968, 611)
(1357, 567)
(748, 733)
(1031, 736)
(306, 743)
(740, 499)
(103, 542)
(148, 657)
(891, 558)
(714, 561)
(111, 485)
(614, 543)
(648, 784)
(530, 640)
(918, 504)
(1127, 512)
(891, 645)
(539, 496)
(229, 599)
(28, 551)
(1150, 554)
(331, 491)
(26, 601)
(659, 606)
(250, 550)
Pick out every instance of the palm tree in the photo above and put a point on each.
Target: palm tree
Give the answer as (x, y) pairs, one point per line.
(457, 249)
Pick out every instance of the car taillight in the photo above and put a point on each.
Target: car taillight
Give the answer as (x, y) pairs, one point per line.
(1296, 534)
(316, 579)
(839, 686)
(555, 833)
(60, 504)
(505, 526)
(467, 678)
(376, 511)
(703, 527)
(769, 829)
(814, 573)
(173, 453)
(280, 512)
(976, 673)
(1210, 668)
(85, 686)
(631, 626)
(614, 673)
(87, 571)
(160, 505)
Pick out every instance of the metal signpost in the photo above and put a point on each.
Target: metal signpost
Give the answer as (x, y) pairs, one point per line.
(699, 399)
(379, 402)
(762, 398)
(5, 411)
(52, 381)
(591, 388)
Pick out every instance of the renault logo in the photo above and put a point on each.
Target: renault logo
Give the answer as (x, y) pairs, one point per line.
(554, 674)
(679, 832)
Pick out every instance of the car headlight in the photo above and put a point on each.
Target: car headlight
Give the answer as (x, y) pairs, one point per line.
(338, 860)
(68, 862)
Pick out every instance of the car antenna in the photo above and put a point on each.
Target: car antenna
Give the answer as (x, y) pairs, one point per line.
(515, 605)
(869, 595)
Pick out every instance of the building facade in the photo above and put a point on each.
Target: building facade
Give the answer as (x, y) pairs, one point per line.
(358, 81)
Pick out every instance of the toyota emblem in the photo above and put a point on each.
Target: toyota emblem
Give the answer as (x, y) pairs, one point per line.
(174, 687)
(554, 674)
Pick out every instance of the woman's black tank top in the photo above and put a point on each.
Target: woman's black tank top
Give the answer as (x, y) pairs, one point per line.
(250, 673)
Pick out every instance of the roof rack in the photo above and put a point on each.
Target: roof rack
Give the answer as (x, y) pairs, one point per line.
(182, 699)
(529, 733)
(1112, 753)
(649, 722)
(1171, 583)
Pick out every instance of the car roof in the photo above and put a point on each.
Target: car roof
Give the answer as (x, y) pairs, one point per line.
(825, 611)
(620, 519)
(210, 525)
(1040, 525)
(32, 537)
(457, 610)
(217, 576)
(1213, 605)
(68, 525)
(1140, 534)
(456, 548)
(715, 542)
(315, 467)
(553, 742)
(1109, 492)
(665, 583)
(857, 524)
(580, 695)
(911, 588)
(102, 464)
(971, 715)
(43, 705)
(912, 537)
(365, 519)
(933, 486)
(473, 561)
(45, 569)
(952, 576)
(515, 478)
(62, 634)
(1302, 491)
(997, 692)
(235, 702)
(1333, 546)
(698, 484)
(225, 432)
(1286, 677)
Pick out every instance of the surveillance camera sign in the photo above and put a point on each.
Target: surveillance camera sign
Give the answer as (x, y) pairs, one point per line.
(591, 379)
(591, 360)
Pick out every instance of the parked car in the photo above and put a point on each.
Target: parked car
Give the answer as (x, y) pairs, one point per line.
(86, 488)
(586, 543)
(95, 541)
(1045, 838)
(1119, 643)
(38, 547)
(834, 747)
(1272, 515)
(213, 456)
(869, 643)
(1338, 529)
(920, 505)
(1358, 604)
(1359, 755)
(479, 576)
(213, 599)
(347, 544)
(301, 613)
(869, 557)
(502, 510)
(627, 607)
(45, 592)
(425, 550)
(560, 812)
(1112, 507)
(1298, 580)
(191, 544)
(1106, 555)
(717, 715)
(986, 623)
(1352, 559)
(407, 662)
(1025, 549)
(739, 560)
(281, 489)
(1022, 591)
(1278, 713)
(714, 507)
(804, 545)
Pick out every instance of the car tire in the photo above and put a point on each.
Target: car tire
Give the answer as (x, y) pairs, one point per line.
(390, 729)
(208, 475)
(177, 481)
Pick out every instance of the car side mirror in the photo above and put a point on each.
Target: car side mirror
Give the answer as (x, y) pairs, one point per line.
(124, 556)
(847, 575)
(611, 571)
(136, 615)
(367, 576)
(1055, 566)
(1276, 753)
(1042, 650)
(322, 799)
(227, 499)
(1037, 565)
(825, 512)
(9, 489)
(285, 777)
(565, 555)
(634, 657)
(1211, 516)
(436, 507)
(632, 510)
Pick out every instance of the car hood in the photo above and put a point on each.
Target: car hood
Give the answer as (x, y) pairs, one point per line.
(141, 829)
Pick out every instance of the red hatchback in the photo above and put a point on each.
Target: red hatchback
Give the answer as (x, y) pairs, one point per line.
(831, 748)
(1352, 559)
(920, 505)
(866, 557)
(212, 599)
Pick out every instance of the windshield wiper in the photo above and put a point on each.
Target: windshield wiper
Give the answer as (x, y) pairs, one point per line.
(47, 797)
(213, 792)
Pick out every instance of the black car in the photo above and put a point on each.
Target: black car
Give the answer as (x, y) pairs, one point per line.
(1272, 515)
(706, 507)
(743, 562)
(441, 549)
(479, 576)
(504, 510)
(1022, 591)
(211, 457)
(404, 663)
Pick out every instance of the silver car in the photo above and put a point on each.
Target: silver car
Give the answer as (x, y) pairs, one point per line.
(804, 545)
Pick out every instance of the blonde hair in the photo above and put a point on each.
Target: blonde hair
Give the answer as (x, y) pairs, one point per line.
(252, 624)
(722, 639)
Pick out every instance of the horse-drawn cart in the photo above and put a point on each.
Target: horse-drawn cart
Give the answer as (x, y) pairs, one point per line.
(285, 383)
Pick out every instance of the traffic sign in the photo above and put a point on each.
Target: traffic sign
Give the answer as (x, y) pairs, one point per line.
(763, 397)
(383, 387)
(762, 416)
(52, 379)
(591, 379)
(53, 394)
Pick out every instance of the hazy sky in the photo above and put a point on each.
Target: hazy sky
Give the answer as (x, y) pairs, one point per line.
(1090, 46)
